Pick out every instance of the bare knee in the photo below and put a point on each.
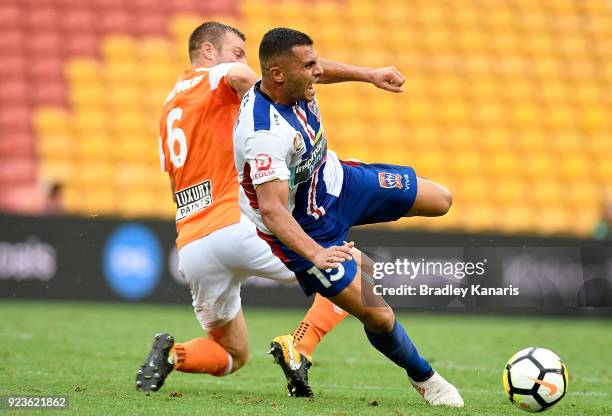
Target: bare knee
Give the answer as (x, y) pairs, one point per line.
(433, 200)
(444, 200)
(379, 320)
(439, 201)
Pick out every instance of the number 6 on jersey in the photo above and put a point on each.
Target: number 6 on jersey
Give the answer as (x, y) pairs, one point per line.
(176, 135)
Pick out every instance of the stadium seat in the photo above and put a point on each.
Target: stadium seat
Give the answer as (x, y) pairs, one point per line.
(555, 221)
(77, 21)
(138, 202)
(478, 217)
(82, 71)
(14, 91)
(85, 44)
(93, 173)
(490, 128)
(515, 218)
(118, 48)
(95, 147)
(11, 15)
(115, 21)
(85, 122)
(61, 170)
(26, 199)
(102, 201)
(88, 97)
(17, 170)
(12, 41)
(127, 98)
(40, 19)
(48, 93)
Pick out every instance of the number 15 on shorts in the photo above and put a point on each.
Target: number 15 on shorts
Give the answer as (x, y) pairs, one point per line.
(334, 275)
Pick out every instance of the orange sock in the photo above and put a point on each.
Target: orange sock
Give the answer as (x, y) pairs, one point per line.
(321, 318)
(202, 355)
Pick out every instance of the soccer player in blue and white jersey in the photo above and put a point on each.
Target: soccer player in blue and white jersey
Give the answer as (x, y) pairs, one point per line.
(304, 200)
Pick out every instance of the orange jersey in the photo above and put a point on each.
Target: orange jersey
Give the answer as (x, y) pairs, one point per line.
(196, 149)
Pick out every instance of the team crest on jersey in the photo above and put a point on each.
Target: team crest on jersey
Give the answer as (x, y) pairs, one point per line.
(193, 199)
(314, 109)
(389, 180)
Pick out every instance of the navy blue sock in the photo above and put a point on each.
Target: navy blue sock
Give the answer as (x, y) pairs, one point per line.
(397, 346)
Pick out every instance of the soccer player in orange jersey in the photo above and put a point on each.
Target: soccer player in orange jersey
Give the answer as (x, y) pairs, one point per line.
(217, 246)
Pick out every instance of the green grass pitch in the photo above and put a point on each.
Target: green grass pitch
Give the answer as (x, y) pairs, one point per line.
(91, 352)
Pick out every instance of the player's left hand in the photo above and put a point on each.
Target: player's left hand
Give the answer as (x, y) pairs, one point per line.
(388, 79)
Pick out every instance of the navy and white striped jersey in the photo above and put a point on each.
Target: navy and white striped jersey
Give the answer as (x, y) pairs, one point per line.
(285, 142)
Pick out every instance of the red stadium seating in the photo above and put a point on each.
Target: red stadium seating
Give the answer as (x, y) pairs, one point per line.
(507, 103)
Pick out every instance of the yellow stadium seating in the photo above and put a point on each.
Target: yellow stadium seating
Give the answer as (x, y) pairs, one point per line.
(84, 123)
(94, 147)
(57, 170)
(82, 71)
(52, 147)
(118, 47)
(517, 217)
(506, 103)
(93, 173)
(50, 121)
(138, 202)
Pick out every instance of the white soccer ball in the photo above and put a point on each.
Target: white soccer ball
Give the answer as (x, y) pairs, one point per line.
(535, 379)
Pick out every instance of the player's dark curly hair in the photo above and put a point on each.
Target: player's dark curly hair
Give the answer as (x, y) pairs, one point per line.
(279, 41)
(212, 32)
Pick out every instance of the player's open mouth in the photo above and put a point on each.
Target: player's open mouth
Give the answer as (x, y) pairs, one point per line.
(310, 89)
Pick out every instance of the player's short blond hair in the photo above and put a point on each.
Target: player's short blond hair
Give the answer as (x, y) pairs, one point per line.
(211, 32)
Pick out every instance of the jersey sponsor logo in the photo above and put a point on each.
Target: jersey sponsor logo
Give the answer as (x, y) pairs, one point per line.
(389, 180)
(263, 162)
(193, 199)
(305, 169)
(406, 182)
(183, 85)
(264, 174)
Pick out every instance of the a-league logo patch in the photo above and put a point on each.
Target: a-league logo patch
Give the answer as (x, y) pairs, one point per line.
(389, 180)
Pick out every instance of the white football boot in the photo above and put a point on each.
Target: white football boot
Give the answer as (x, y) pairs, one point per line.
(438, 392)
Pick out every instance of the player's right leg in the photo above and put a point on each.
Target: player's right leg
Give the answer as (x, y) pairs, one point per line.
(294, 358)
(432, 199)
(388, 336)
(216, 300)
(223, 352)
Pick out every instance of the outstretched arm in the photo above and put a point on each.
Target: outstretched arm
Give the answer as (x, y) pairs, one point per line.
(388, 78)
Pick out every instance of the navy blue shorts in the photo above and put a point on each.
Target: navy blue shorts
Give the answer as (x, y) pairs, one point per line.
(371, 193)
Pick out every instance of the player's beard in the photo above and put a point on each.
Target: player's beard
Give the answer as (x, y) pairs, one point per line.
(300, 88)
